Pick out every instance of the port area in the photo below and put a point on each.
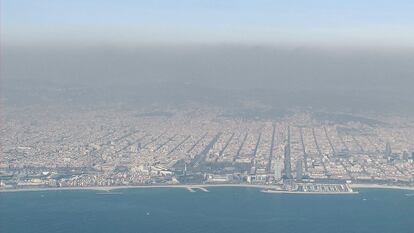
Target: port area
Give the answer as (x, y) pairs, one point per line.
(311, 188)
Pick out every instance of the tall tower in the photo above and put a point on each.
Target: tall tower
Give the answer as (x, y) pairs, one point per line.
(185, 169)
(278, 168)
(299, 169)
(388, 150)
(288, 167)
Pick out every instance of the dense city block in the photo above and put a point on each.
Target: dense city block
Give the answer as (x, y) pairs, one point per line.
(53, 147)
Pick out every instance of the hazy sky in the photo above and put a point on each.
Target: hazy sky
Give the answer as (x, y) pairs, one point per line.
(294, 22)
(339, 51)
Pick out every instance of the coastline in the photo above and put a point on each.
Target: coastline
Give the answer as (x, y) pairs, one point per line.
(186, 186)
(112, 188)
(380, 186)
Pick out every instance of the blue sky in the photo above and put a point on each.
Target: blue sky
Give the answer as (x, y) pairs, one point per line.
(297, 22)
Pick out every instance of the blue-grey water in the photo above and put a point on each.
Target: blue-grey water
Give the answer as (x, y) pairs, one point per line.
(231, 210)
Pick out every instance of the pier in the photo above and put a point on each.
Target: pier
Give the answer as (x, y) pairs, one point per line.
(193, 189)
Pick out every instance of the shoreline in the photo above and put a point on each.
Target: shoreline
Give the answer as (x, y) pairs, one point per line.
(112, 188)
(380, 186)
(186, 186)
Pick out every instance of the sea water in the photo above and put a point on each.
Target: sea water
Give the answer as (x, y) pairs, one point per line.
(223, 209)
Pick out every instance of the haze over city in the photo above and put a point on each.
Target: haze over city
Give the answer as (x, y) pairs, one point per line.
(356, 53)
(133, 111)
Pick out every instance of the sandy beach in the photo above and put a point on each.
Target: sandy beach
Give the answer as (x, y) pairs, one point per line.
(111, 188)
(380, 186)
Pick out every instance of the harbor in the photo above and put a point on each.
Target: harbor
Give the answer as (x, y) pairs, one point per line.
(312, 189)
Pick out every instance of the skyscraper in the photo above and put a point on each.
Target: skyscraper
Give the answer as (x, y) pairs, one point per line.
(388, 151)
(299, 169)
(288, 168)
(278, 168)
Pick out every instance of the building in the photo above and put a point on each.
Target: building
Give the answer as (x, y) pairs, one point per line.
(287, 165)
(388, 151)
(299, 169)
(278, 166)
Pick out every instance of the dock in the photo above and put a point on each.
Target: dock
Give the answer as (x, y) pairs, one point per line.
(203, 189)
(190, 189)
(193, 189)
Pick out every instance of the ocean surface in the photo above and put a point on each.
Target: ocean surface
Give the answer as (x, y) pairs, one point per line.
(238, 210)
